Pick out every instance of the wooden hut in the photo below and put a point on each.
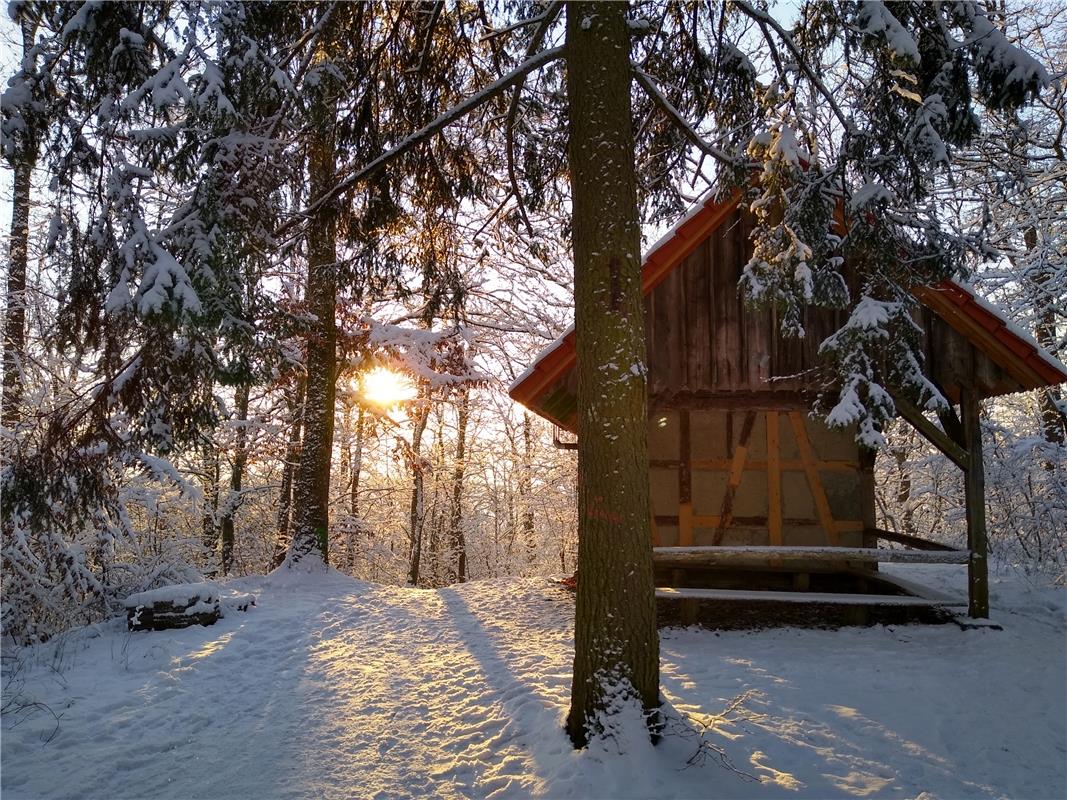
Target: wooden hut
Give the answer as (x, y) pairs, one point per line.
(752, 496)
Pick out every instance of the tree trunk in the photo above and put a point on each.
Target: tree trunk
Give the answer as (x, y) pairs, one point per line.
(456, 539)
(18, 255)
(292, 455)
(435, 517)
(311, 491)
(210, 528)
(526, 489)
(355, 468)
(616, 644)
(1053, 421)
(237, 470)
(415, 517)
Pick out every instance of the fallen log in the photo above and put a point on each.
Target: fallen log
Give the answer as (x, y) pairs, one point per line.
(177, 606)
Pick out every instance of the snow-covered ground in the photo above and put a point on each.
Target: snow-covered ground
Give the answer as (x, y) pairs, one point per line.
(335, 688)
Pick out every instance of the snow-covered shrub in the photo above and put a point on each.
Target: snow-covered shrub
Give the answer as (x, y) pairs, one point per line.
(920, 492)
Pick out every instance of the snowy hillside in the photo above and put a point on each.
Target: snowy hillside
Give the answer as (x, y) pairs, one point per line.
(335, 688)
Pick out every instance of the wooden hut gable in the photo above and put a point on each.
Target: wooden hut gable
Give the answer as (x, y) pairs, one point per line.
(707, 348)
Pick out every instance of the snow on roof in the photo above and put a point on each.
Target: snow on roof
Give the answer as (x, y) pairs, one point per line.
(526, 373)
(1013, 328)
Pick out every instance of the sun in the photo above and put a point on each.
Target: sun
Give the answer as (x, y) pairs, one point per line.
(386, 388)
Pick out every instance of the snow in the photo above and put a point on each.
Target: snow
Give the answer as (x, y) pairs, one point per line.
(179, 594)
(1012, 327)
(335, 688)
(875, 19)
(868, 194)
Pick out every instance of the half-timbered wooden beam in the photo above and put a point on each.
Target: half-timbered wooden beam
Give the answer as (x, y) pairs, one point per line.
(761, 523)
(737, 468)
(906, 539)
(818, 494)
(755, 465)
(774, 481)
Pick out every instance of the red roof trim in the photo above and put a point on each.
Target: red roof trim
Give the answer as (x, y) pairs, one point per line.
(1047, 369)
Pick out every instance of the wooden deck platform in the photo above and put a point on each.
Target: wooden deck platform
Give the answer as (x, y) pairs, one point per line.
(760, 586)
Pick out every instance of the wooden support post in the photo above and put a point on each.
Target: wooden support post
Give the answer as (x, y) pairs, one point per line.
(774, 481)
(867, 495)
(974, 494)
(937, 437)
(685, 524)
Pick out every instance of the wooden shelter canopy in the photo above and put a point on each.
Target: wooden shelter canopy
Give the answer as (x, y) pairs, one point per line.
(969, 342)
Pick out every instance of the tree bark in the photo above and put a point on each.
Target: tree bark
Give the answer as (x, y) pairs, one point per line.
(616, 644)
(210, 527)
(292, 455)
(1053, 421)
(415, 516)
(356, 466)
(237, 469)
(456, 539)
(311, 491)
(526, 489)
(18, 255)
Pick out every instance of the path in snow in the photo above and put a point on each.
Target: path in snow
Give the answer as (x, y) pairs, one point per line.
(334, 688)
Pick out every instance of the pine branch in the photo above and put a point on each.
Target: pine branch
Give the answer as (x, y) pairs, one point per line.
(657, 97)
(428, 131)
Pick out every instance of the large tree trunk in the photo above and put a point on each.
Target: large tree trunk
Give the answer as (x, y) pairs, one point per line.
(311, 490)
(237, 471)
(18, 254)
(456, 539)
(616, 647)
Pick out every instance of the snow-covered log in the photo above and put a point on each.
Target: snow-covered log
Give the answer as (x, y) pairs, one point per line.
(173, 607)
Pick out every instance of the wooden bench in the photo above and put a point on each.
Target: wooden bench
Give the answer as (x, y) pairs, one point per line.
(829, 598)
(758, 554)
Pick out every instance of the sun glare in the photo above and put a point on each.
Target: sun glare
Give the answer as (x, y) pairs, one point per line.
(386, 388)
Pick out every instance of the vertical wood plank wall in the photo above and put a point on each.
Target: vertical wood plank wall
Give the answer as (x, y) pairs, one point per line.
(701, 337)
(734, 459)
